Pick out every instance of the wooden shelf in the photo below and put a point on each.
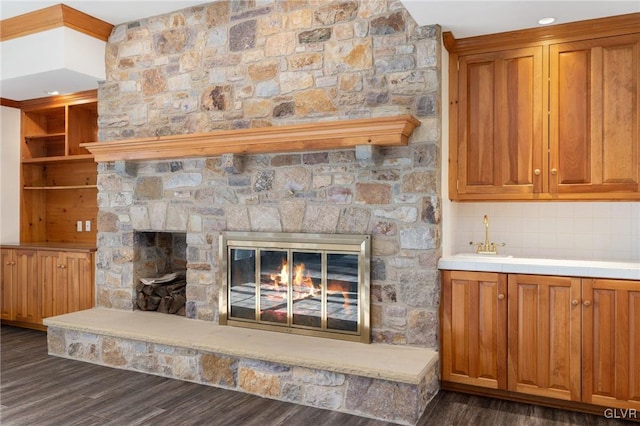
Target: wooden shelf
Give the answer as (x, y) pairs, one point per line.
(46, 136)
(379, 131)
(63, 187)
(59, 159)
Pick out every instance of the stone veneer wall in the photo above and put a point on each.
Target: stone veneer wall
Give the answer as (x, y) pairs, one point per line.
(230, 65)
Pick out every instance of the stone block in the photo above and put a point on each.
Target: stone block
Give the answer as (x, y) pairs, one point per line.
(373, 193)
(126, 168)
(232, 163)
(396, 402)
(259, 383)
(369, 155)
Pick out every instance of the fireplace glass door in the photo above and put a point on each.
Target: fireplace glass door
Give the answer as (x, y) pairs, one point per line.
(315, 289)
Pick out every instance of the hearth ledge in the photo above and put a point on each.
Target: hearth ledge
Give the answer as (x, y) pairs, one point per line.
(379, 361)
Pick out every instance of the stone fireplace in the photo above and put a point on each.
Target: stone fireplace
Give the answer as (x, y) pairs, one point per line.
(232, 69)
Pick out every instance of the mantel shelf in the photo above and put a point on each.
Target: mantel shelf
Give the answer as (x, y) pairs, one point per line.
(340, 134)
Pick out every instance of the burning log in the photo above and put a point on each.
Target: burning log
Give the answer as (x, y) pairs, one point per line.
(168, 298)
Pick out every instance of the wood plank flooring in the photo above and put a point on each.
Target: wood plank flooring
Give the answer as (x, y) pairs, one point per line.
(40, 390)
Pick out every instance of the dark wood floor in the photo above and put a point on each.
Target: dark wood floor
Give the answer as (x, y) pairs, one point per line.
(39, 390)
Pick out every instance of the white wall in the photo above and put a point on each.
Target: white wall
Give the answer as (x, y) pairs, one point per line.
(9, 175)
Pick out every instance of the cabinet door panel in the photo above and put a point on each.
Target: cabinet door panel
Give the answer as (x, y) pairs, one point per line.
(52, 279)
(7, 299)
(27, 287)
(474, 329)
(79, 281)
(544, 336)
(611, 343)
(500, 123)
(594, 107)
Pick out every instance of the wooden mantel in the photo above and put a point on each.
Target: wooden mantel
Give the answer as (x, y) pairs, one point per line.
(339, 134)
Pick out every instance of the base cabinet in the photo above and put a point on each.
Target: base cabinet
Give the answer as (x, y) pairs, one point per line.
(611, 343)
(67, 284)
(37, 284)
(474, 333)
(20, 295)
(566, 338)
(544, 336)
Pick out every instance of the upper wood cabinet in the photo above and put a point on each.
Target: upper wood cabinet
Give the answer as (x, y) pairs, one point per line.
(499, 126)
(594, 126)
(547, 115)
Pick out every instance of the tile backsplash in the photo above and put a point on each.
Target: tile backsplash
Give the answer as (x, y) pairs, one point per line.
(572, 230)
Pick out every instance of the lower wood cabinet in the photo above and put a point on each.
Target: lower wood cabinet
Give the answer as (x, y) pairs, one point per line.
(20, 288)
(37, 284)
(67, 283)
(544, 336)
(566, 338)
(611, 343)
(474, 328)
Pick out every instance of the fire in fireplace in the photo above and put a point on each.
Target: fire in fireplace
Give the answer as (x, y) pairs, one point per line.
(309, 284)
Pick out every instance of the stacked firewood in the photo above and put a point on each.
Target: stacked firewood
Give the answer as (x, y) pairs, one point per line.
(166, 297)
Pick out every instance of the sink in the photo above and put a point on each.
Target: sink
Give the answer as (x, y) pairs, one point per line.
(484, 256)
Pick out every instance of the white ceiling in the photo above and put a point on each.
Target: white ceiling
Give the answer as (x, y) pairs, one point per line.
(464, 18)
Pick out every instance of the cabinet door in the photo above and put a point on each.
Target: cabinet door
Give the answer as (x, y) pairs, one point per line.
(544, 336)
(67, 281)
(78, 271)
(7, 301)
(53, 281)
(499, 131)
(594, 107)
(27, 287)
(474, 332)
(611, 343)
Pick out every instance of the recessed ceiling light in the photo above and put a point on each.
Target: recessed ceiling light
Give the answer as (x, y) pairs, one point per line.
(546, 21)
(52, 92)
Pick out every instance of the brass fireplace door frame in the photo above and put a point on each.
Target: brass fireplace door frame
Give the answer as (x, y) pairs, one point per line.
(339, 243)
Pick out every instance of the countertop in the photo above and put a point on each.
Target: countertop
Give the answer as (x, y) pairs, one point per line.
(537, 266)
(79, 247)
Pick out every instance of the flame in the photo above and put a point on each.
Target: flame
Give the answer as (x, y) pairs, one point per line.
(282, 277)
(334, 287)
(300, 278)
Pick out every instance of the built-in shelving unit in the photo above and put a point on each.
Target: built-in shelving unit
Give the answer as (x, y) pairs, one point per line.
(59, 176)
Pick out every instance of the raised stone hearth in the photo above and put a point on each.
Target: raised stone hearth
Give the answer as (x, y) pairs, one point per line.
(391, 383)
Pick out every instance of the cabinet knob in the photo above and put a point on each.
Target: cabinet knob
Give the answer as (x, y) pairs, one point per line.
(587, 303)
(536, 172)
(500, 296)
(575, 302)
(554, 171)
